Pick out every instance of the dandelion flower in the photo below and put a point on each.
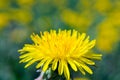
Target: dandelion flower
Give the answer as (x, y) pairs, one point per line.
(60, 49)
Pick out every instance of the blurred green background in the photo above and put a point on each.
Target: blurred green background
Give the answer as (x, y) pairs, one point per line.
(98, 18)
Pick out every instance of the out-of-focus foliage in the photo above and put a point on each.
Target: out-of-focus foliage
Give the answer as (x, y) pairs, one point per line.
(98, 18)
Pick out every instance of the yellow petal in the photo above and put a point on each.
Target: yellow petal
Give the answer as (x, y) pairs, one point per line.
(81, 70)
(90, 62)
(92, 44)
(82, 37)
(54, 65)
(36, 39)
(25, 60)
(85, 67)
(46, 64)
(66, 71)
(74, 35)
(86, 41)
(60, 67)
(69, 33)
(79, 67)
(30, 63)
(41, 63)
(93, 56)
(72, 64)
(24, 55)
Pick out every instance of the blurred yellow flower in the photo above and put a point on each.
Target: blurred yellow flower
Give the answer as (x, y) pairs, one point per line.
(22, 15)
(4, 4)
(60, 49)
(114, 17)
(103, 6)
(26, 3)
(107, 37)
(117, 3)
(77, 20)
(81, 79)
(4, 19)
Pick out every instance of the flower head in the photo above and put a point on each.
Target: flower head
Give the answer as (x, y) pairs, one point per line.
(59, 49)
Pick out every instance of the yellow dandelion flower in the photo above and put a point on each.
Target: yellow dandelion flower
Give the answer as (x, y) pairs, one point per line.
(60, 49)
